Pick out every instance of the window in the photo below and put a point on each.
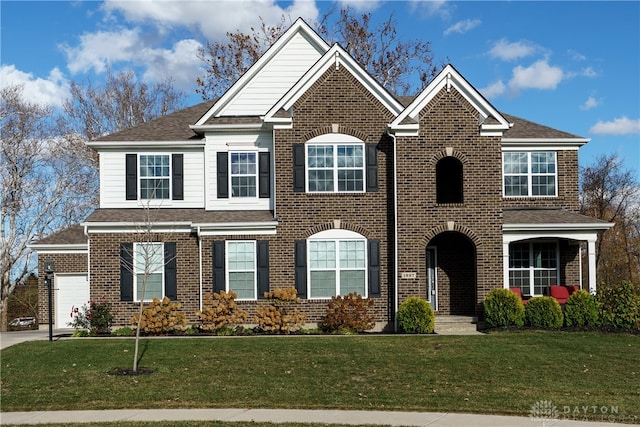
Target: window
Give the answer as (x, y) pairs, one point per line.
(241, 268)
(533, 266)
(529, 173)
(243, 174)
(335, 167)
(148, 264)
(154, 177)
(337, 267)
(449, 181)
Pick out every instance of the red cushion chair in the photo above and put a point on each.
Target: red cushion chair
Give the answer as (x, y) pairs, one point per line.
(518, 292)
(560, 293)
(573, 288)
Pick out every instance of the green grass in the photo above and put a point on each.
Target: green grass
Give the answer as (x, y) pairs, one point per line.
(501, 373)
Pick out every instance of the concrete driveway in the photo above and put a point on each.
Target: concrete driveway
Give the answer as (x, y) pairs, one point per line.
(8, 339)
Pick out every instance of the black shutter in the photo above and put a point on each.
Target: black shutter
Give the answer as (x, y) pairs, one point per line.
(301, 267)
(218, 266)
(374, 268)
(371, 155)
(131, 176)
(126, 271)
(298, 168)
(264, 175)
(170, 271)
(223, 175)
(263, 267)
(177, 175)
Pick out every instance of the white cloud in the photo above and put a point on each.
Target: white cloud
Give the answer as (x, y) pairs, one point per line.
(51, 91)
(540, 75)
(509, 51)
(590, 103)
(462, 26)
(493, 90)
(589, 72)
(441, 8)
(360, 5)
(211, 18)
(576, 56)
(180, 63)
(619, 126)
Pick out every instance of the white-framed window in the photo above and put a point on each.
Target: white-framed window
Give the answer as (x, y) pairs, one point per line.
(530, 173)
(335, 167)
(241, 268)
(533, 266)
(155, 174)
(244, 174)
(337, 263)
(148, 264)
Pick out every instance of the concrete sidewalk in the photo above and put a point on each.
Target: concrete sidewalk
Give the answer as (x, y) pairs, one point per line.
(328, 416)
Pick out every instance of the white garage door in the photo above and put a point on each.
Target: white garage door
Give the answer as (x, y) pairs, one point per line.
(71, 291)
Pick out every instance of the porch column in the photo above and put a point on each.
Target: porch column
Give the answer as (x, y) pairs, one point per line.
(505, 264)
(591, 252)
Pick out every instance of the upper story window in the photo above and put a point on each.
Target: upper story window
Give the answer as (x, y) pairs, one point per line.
(530, 173)
(335, 167)
(148, 264)
(154, 176)
(335, 163)
(244, 174)
(449, 181)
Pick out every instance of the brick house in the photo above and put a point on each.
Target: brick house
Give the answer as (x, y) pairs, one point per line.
(308, 173)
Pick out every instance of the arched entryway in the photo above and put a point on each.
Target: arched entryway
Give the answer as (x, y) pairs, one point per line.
(452, 255)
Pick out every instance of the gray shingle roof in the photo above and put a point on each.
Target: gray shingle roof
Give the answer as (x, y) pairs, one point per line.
(73, 235)
(525, 129)
(546, 216)
(197, 216)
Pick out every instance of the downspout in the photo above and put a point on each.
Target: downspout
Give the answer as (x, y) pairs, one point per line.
(273, 168)
(395, 233)
(199, 262)
(86, 233)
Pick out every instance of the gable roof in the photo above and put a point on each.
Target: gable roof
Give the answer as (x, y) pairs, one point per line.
(299, 28)
(334, 57)
(492, 122)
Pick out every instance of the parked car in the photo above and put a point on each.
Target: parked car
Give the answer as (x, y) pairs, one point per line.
(24, 323)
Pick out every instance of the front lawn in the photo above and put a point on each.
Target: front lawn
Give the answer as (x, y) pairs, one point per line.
(500, 373)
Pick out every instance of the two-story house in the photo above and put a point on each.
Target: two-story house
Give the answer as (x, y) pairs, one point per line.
(308, 173)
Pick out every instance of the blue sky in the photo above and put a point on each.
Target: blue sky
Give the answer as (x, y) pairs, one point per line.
(574, 66)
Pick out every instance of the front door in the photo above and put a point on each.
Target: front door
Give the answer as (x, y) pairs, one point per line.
(431, 278)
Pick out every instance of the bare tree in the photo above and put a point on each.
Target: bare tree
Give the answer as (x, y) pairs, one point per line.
(611, 193)
(401, 66)
(43, 185)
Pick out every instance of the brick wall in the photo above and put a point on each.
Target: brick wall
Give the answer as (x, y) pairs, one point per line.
(468, 234)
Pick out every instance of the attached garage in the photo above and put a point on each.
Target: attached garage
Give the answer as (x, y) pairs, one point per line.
(71, 290)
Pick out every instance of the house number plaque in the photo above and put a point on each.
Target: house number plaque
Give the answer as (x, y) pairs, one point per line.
(409, 275)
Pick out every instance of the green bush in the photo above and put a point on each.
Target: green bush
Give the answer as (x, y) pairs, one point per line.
(581, 310)
(619, 306)
(543, 312)
(415, 316)
(503, 308)
(348, 314)
(95, 319)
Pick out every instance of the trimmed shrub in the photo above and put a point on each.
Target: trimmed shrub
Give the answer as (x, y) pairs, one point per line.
(95, 319)
(503, 308)
(619, 306)
(348, 314)
(415, 316)
(161, 317)
(543, 312)
(280, 316)
(220, 311)
(581, 310)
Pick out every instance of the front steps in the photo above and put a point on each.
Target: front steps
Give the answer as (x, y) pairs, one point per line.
(456, 325)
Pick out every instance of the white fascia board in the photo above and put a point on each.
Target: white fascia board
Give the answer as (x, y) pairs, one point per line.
(579, 235)
(145, 144)
(227, 127)
(78, 248)
(532, 144)
(334, 57)
(236, 228)
(241, 83)
(596, 226)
